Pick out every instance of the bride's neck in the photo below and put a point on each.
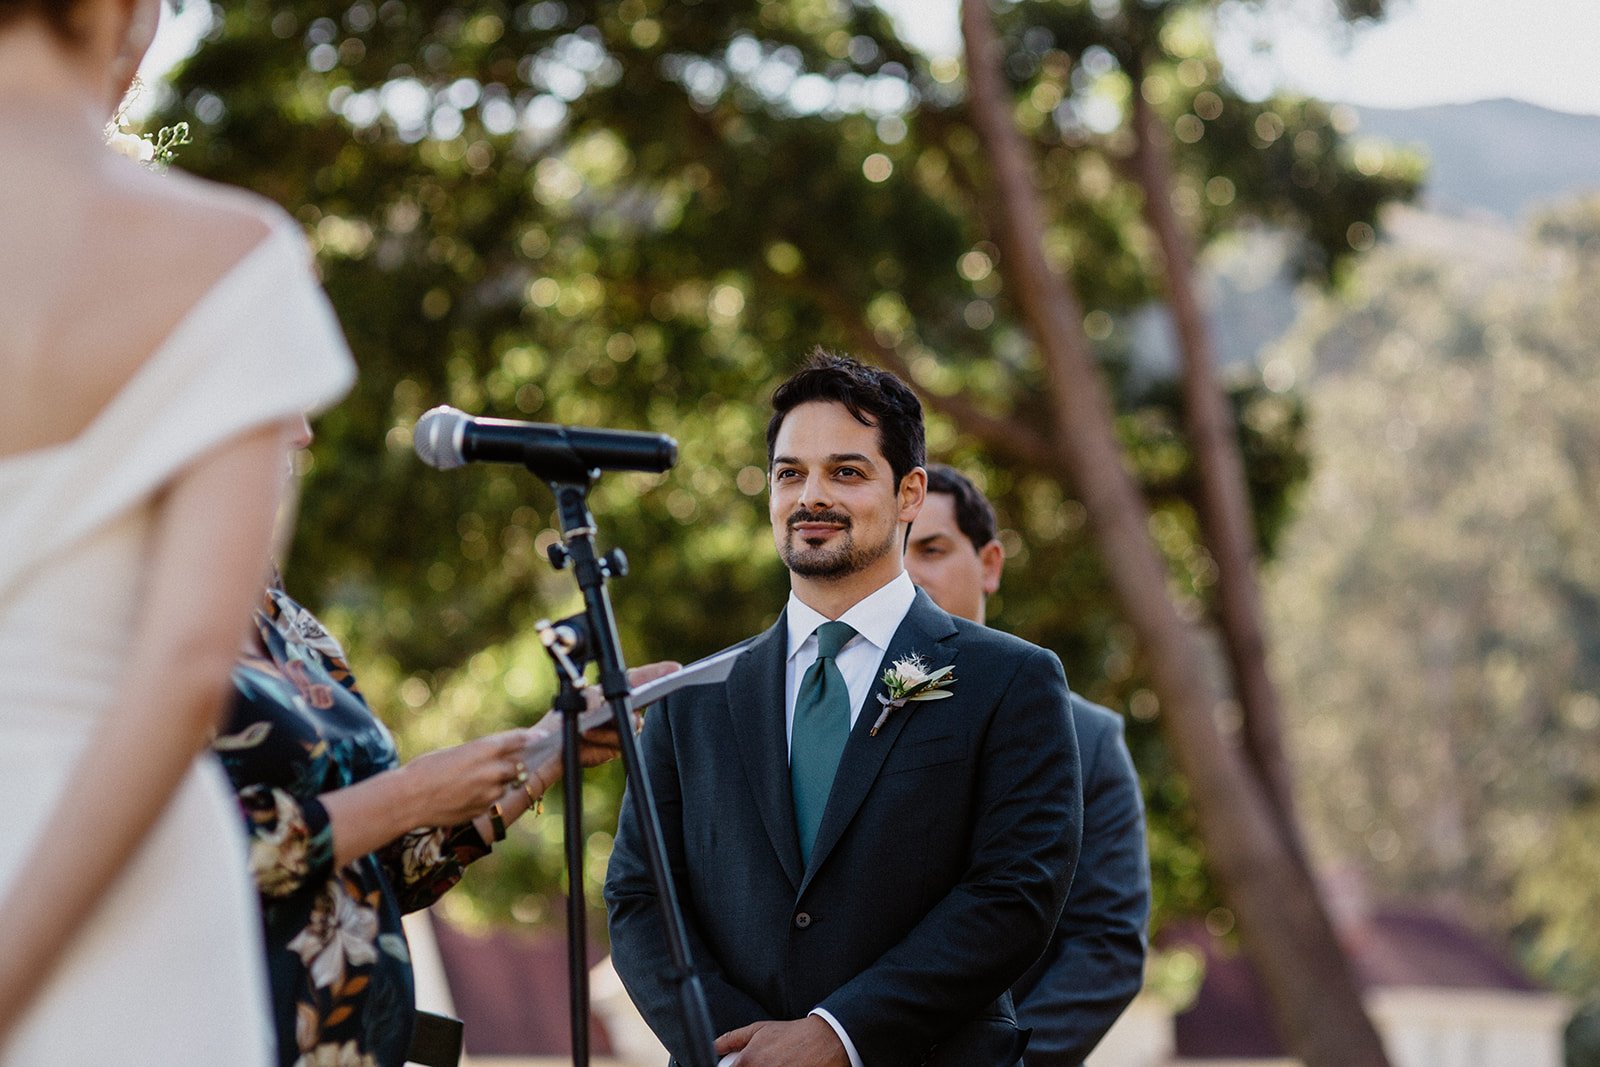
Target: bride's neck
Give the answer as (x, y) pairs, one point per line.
(44, 81)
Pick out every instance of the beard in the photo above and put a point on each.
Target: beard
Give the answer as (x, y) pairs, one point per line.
(844, 557)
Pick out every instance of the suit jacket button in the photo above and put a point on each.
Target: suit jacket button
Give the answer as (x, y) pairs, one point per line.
(802, 921)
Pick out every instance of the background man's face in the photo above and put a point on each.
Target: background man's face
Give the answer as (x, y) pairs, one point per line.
(942, 560)
(834, 505)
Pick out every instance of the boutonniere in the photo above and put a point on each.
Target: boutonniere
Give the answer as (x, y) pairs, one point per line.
(907, 680)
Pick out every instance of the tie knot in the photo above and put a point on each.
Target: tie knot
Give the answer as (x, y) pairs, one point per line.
(831, 637)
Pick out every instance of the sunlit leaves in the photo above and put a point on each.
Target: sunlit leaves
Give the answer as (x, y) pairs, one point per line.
(1435, 604)
(643, 214)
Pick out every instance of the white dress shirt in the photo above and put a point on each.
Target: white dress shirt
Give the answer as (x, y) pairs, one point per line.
(874, 618)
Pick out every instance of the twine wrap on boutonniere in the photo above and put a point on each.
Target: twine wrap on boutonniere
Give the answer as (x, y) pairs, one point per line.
(907, 680)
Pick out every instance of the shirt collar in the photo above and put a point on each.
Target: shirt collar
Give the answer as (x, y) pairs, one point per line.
(875, 616)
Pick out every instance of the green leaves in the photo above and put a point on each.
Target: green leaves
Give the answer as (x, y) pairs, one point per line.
(643, 214)
(1434, 605)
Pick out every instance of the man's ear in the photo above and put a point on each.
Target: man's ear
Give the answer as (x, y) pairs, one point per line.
(913, 494)
(991, 561)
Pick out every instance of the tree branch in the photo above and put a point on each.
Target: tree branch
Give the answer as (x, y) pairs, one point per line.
(1286, 931)
(1225, 517)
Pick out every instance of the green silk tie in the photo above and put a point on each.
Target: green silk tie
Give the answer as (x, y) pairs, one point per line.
(821, 728)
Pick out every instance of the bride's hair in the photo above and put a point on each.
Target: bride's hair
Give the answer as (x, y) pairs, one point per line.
(59, 15)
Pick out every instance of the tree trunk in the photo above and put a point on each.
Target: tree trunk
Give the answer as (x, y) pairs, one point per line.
(1225, 517)
(1286, 932)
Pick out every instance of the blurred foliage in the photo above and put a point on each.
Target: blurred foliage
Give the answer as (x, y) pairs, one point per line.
(1581, 1041)
(643, 214)
(1437, 606)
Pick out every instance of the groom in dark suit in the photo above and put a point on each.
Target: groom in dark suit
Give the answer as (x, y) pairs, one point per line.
(863, 877)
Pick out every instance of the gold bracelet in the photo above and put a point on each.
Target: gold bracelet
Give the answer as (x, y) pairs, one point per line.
(535, 803)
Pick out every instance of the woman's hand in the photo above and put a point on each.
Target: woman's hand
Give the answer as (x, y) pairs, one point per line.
(603, 744)
(446, 787)
(453, 785)
(599, 745)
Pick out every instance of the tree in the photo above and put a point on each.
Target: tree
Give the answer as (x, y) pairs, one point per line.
(1287, 933)
(1438, 598)
(639, 214)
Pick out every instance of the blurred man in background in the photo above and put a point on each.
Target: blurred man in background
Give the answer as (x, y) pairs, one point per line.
(1095, 963)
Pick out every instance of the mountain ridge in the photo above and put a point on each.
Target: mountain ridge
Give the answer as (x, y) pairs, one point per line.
(1502, 156)
(1492, 164)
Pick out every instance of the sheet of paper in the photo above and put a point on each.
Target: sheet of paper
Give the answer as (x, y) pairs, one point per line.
(708, 671)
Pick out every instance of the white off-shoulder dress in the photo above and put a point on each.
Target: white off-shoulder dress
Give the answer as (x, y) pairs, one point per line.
(169, 970)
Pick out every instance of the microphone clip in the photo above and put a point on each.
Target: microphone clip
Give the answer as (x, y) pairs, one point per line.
(567, 642)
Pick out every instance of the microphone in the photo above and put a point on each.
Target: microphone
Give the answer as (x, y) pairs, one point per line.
(447, 438)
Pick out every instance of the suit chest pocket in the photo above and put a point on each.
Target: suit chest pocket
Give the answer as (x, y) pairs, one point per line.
(925, 753)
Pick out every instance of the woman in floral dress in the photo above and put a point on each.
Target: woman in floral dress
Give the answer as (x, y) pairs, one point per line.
(344, 840)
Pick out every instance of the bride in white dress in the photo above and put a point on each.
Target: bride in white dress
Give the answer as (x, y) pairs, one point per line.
(159, 340)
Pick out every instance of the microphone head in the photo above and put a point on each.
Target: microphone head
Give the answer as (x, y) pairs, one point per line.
(437, 438)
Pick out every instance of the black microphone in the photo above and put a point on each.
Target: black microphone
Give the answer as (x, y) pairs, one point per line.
(446, 438)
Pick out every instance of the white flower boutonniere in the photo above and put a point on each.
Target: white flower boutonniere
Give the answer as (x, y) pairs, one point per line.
(907, 680)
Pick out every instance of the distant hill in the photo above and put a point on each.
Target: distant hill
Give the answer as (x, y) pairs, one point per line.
(1496, 156)
(1489, 164)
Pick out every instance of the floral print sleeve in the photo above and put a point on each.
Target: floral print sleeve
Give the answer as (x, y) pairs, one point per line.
(425, 863)
(291, 840)
(299, 728)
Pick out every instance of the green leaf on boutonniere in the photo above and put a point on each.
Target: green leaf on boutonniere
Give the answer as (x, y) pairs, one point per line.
(909, 679)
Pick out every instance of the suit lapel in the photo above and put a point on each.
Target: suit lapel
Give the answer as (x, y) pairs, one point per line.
(755, 694)
(924, 631)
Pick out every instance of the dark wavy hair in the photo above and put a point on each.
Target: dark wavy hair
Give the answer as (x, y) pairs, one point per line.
(60, 15)
(974, 514)
(873, 396)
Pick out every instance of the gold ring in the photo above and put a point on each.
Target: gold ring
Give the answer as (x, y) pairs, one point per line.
(522, 773)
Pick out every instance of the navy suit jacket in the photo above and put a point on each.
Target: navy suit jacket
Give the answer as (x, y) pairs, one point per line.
(1095, 963)
(939, 870)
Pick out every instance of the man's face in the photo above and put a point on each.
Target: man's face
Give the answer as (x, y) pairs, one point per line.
(834, 505)
(942, 560)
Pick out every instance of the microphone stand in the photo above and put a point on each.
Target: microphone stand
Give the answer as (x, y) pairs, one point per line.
(589, 636)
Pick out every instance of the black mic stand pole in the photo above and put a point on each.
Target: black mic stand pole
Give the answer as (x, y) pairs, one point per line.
(565, 643)
(604, 647)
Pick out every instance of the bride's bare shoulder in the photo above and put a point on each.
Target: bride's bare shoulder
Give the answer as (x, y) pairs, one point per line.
(151, 248)
(199, 227)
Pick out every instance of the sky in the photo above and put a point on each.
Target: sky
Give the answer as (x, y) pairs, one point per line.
(1426, 52)
(176, 37)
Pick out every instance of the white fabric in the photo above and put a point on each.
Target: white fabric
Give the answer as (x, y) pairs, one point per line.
(874, 618)
(169, 970)
(844, 1039)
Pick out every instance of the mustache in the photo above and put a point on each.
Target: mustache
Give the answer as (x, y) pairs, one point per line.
(838, 518)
